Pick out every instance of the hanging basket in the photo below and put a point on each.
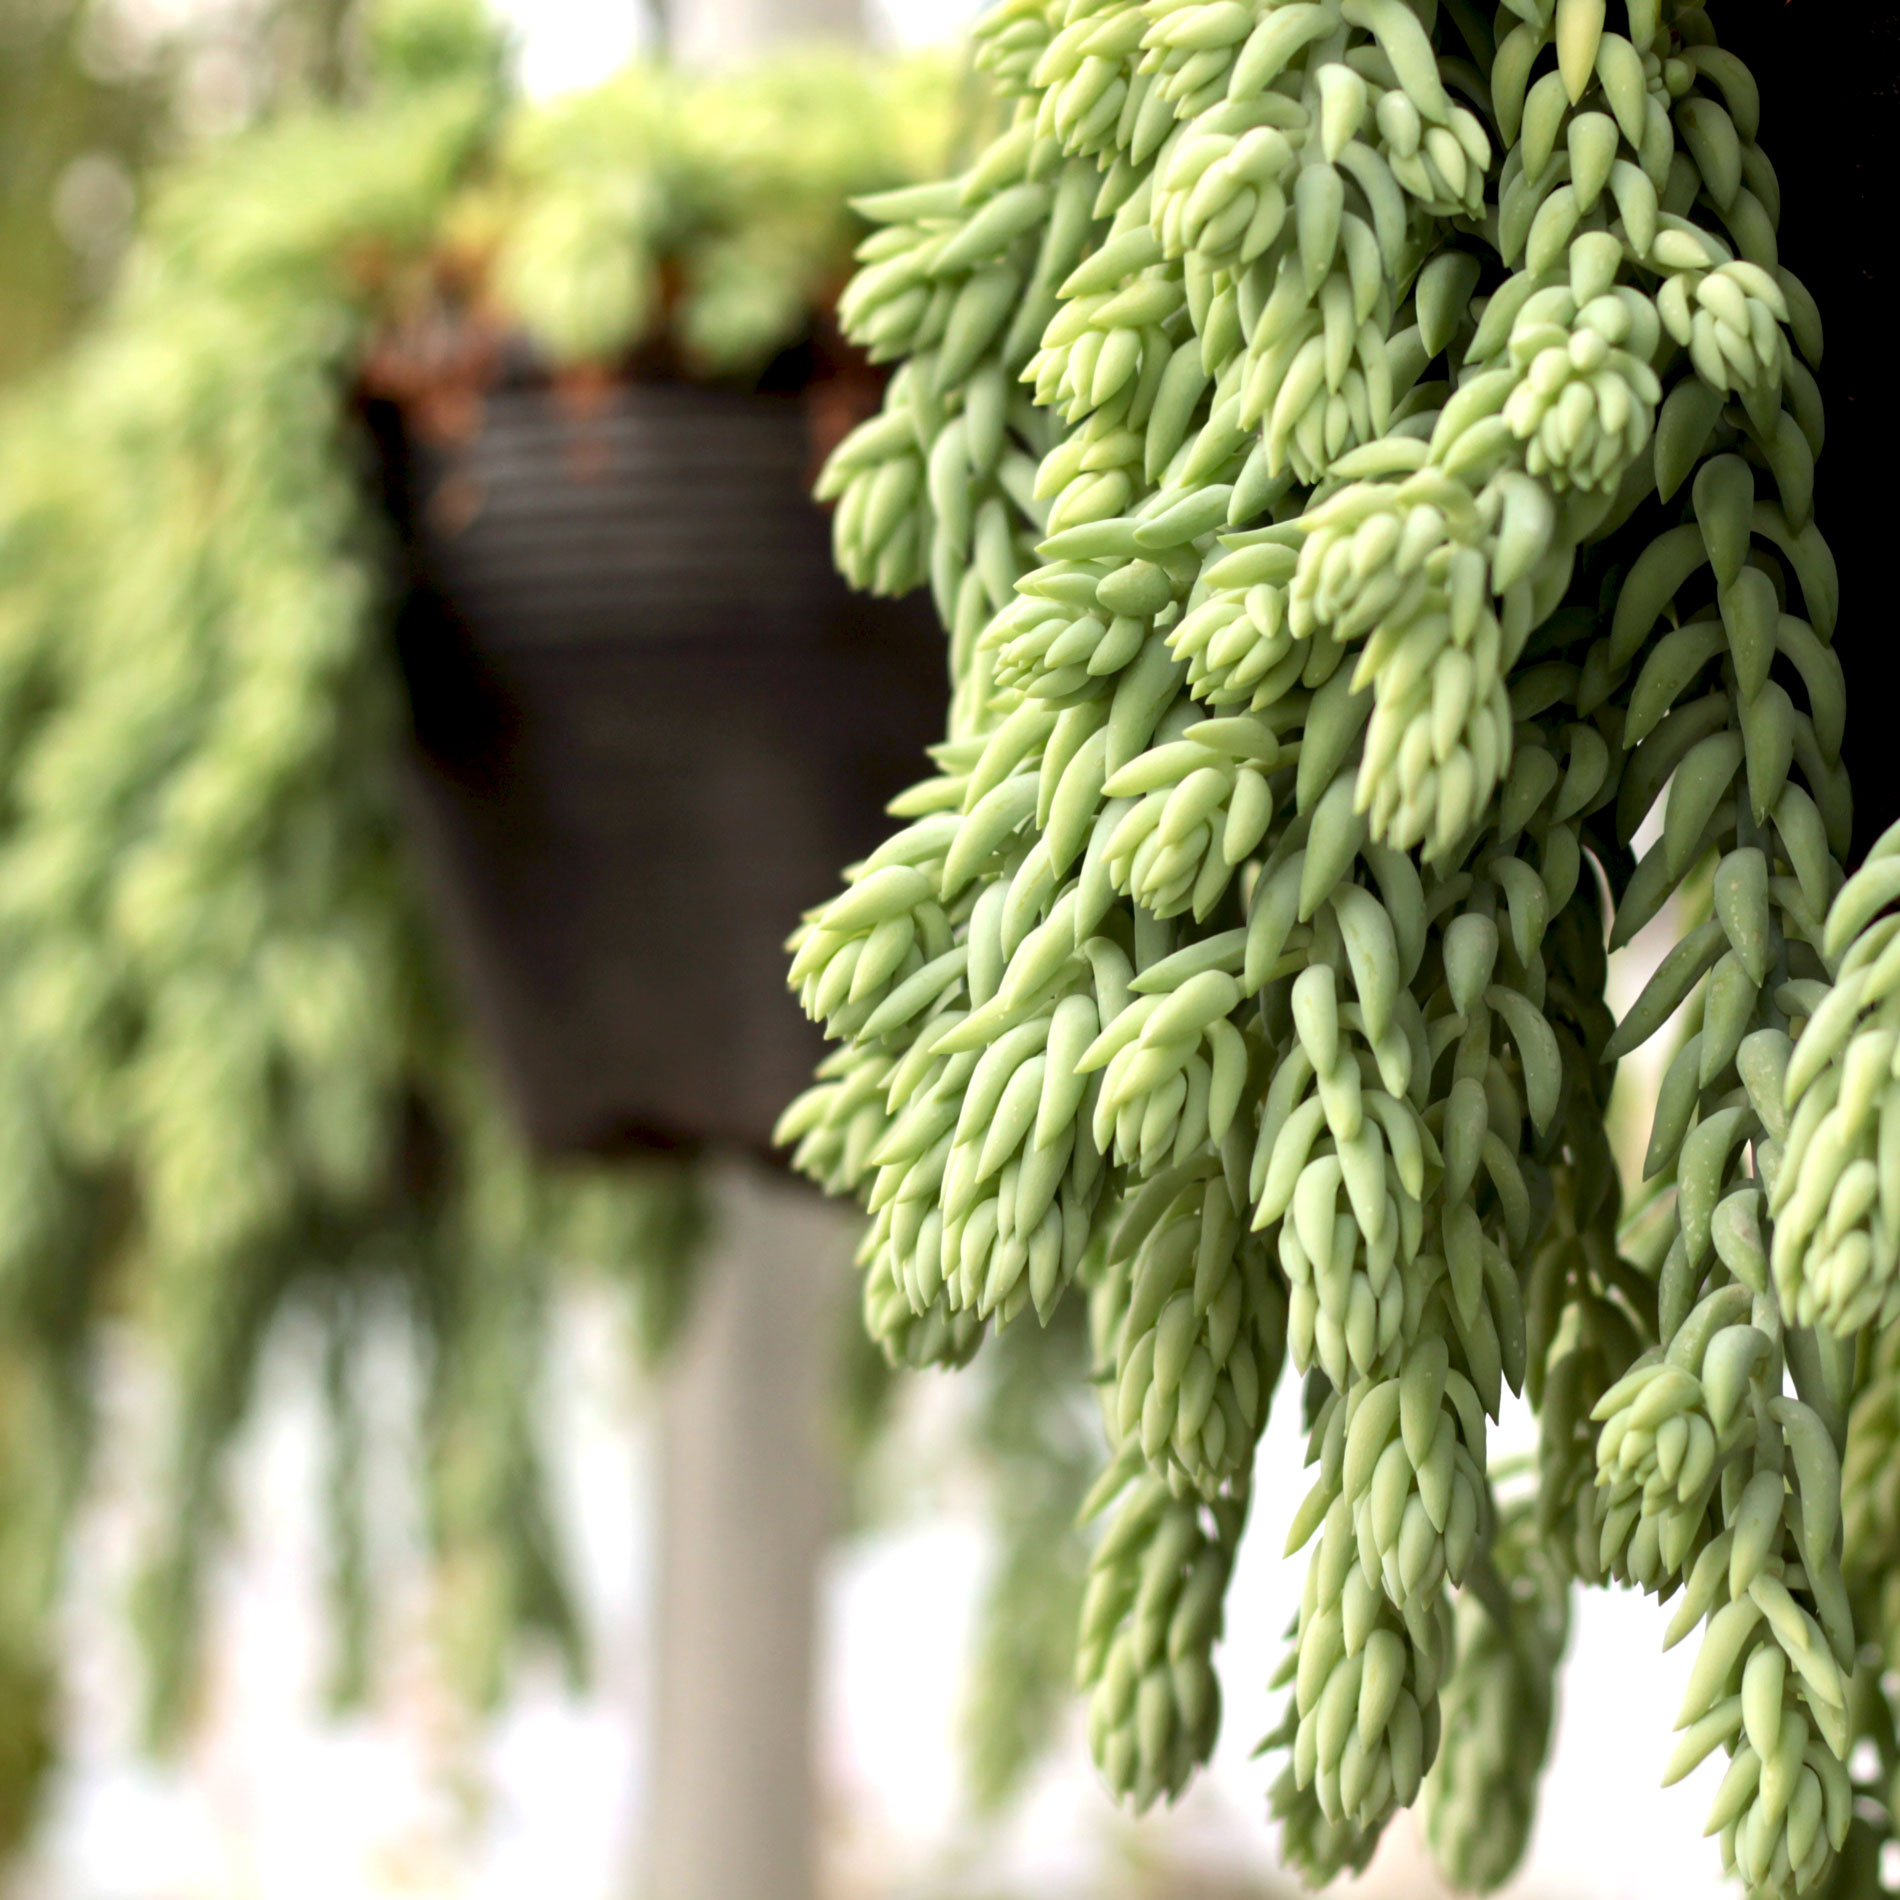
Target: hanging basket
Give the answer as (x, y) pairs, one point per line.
(651, 723)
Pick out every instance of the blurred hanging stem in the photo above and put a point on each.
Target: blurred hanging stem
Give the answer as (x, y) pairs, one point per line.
(659, 27)
(1037, 1436)
(349, 1554)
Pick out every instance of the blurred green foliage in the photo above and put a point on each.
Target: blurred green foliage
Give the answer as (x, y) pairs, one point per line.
(71, 140)
(1039, 1442)
(233, 1082)
(93, 95)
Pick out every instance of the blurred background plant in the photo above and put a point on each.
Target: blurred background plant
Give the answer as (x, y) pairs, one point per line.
(235, 1083)
(93, 94)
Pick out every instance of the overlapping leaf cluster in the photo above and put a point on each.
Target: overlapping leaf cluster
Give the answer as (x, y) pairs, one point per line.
(1363, 452)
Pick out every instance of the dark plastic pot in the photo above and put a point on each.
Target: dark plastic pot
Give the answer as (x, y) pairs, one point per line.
(1830, 93)
(651, 725)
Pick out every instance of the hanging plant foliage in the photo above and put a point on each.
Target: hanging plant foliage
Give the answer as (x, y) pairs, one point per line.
(1363, 453)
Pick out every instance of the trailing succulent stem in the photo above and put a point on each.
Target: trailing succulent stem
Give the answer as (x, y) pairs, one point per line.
(1363, 453)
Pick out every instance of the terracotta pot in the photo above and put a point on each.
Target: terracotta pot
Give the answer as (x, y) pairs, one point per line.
(651, 725)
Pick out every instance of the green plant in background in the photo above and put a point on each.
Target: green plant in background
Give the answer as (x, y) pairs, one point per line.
(1035, 1437)
(92, 95)
(1363, 453)
(61, 125)
(233, 1082)
(1513, 1620)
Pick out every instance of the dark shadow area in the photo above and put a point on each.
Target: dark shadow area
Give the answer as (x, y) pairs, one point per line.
(1830, 91)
